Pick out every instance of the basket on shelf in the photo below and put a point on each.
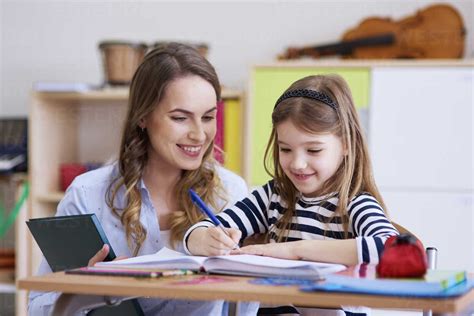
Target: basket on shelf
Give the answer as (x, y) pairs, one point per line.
(120, 60)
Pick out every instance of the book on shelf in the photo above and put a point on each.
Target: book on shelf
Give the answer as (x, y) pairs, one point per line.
(232, 136)
(7, 262)
(245, 265)
(363, 278)
(7, 275)
(13, 144)
(219, 139)
(10, 161)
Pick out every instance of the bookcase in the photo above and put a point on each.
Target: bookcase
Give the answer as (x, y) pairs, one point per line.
(12, 187)
(418, 118)
(85, 127)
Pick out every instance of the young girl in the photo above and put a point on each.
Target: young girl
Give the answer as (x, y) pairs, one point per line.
(322, 203)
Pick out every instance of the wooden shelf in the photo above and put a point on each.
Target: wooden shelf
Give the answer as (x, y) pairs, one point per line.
(230, 94)
(93, 95)
(7, 281)
(350, 63)
(7, 287)
(51, 197)
(67, 127)
(110, 94)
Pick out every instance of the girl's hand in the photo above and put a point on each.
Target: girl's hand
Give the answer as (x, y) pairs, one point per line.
(212, 241)
(101, 255)
(284, 250)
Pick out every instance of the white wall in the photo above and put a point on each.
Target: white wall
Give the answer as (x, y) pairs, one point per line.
(57, 40)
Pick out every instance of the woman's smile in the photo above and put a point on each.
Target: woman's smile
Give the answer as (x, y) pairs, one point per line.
(191, 151)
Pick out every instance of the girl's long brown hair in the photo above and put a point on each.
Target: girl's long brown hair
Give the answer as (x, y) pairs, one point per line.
(354, 175)
(159, 67)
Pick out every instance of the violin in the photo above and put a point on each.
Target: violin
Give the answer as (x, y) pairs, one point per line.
(435, 32)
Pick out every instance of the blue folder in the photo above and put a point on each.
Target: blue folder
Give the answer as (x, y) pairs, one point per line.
(457, 290)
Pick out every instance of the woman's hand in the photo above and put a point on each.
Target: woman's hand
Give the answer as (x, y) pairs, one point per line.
(284, 250)
(101, 255)
(212, 241)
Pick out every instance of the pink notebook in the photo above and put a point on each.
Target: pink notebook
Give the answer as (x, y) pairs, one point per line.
(219, 140)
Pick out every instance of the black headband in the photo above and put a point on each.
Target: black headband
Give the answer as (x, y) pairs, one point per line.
(310, 94)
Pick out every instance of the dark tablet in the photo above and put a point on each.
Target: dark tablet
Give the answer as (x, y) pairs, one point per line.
(69, 242)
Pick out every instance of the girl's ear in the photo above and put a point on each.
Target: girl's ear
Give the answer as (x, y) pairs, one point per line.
(345, 149)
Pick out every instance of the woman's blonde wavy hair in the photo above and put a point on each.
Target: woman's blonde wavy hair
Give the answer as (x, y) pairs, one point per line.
(353, 176)
(162, 65)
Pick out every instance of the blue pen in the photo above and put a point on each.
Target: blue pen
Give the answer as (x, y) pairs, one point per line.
(203, 207)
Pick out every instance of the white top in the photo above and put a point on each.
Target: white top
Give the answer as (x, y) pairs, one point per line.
(87, 195)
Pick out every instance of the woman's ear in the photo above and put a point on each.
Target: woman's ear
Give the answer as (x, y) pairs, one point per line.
(142, 123)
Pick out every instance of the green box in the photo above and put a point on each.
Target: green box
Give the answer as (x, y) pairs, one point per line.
(268, 84)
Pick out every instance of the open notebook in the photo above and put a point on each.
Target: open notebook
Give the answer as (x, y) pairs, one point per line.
(248, 265)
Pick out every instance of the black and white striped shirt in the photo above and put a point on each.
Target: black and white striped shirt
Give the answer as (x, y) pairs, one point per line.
(259, 212)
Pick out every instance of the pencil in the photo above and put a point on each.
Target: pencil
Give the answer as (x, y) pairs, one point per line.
(130, 273)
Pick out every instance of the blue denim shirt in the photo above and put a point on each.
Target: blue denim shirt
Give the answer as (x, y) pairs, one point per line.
(87, 195)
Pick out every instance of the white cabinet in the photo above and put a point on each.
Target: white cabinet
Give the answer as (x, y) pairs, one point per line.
(443, 220)
(421, 134)
(421, 143)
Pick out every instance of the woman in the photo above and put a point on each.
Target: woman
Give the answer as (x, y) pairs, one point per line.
(167, 148)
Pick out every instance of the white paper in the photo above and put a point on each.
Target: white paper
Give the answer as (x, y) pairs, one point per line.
(231, 264)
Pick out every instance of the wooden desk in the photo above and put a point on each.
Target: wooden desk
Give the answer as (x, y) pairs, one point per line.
(236, 289)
